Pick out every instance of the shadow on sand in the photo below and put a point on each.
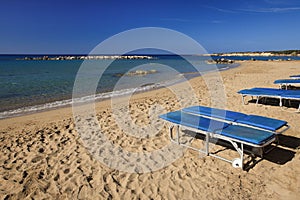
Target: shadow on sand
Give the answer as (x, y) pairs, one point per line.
(280, 153)
(275, 102)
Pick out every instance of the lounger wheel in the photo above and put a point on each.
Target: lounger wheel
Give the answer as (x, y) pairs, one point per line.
(237, 163)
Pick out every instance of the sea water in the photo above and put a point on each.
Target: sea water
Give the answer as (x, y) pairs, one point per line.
(33, 85)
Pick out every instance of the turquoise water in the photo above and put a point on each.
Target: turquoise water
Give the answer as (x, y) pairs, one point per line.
(27, 83)
(32, 85)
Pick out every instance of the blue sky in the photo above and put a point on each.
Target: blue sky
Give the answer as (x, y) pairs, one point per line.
(78, 26)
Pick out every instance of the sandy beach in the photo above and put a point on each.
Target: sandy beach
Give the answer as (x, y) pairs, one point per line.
(43, 156)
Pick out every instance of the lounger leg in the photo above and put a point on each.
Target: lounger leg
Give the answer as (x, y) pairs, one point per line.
(177, 139)
(238, 162)
(280, 102)
(257, 100)
(282, 86)
(171, 127)
(243, 100)
(207, 144)
(177, 134)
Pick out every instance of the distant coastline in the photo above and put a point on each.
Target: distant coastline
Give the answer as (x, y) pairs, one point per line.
(89, 57)
(286, 53)
(260, 53)
(216, 58)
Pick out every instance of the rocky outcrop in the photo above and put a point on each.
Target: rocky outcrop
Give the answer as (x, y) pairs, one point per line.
(90, 57)
(137, 73)
(220, 61)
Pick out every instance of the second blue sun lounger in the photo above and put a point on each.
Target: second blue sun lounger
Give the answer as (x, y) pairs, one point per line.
(265, 123)
(271, 93)
(295, 76)
(237, 135)
(286, 82)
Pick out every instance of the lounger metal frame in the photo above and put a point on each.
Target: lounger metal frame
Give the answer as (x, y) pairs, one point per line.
(236, 162)
(286, 84)
(258, 97)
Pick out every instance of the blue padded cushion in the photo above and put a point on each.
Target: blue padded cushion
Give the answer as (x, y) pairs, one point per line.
(285, 81)
(250, 92)
(215, 113)
(252, 120)
(291, 94)
(246, 134)
(266, 89)
(193, 121)
(288, 94)
(262, 122)
(262, 91)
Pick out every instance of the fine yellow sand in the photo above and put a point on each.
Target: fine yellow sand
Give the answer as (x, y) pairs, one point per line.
(43, 156)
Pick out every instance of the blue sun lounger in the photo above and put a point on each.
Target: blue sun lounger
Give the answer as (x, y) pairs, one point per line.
(271, 93)
(259, 122)
(295, 76)
(286, 82)
(236, 135)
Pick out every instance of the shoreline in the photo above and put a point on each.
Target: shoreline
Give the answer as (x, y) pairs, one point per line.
(23, 111)
(43, 156)
(104, 101)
